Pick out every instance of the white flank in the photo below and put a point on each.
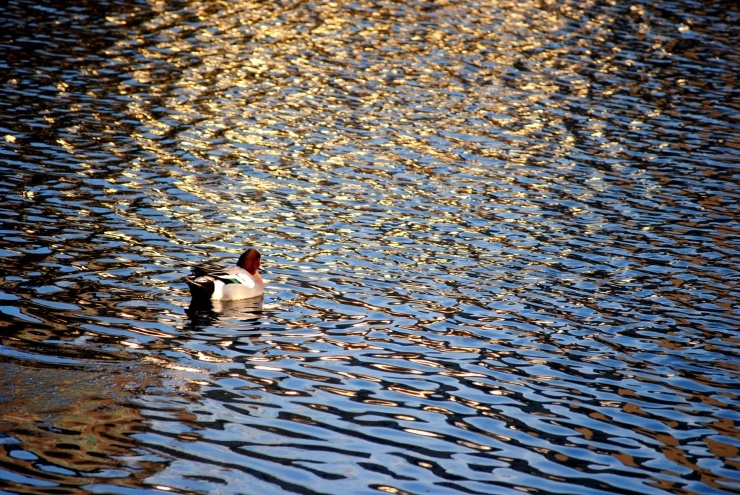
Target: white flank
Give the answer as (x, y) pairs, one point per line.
(218, 290)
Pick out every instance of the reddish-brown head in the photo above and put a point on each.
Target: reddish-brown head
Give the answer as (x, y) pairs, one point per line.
(250, 260)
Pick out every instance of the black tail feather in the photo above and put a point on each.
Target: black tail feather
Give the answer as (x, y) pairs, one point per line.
(200, 289)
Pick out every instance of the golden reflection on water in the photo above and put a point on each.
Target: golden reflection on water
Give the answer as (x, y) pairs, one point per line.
(277, 88)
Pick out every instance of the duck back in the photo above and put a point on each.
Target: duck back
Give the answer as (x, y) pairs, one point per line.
(225, 284)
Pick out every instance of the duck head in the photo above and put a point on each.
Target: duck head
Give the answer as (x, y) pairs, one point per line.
(250, 260)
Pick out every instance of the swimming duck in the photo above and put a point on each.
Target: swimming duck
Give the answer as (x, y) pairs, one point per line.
(229, 284)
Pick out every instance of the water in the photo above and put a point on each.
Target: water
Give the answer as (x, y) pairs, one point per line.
(500, 243)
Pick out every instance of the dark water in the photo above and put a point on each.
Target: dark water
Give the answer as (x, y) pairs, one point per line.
(500, 240)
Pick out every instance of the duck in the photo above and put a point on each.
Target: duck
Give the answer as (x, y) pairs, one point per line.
(241, 281)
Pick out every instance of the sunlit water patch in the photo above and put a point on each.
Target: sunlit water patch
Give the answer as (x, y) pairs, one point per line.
(500, 242)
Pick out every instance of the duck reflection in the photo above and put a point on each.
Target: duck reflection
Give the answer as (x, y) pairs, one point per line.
(205, 312)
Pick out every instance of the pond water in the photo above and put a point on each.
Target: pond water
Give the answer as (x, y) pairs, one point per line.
(500, 243)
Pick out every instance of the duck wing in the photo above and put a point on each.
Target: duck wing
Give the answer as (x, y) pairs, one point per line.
(229, 275)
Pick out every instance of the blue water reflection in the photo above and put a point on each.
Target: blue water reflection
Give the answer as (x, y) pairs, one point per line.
(499, 241)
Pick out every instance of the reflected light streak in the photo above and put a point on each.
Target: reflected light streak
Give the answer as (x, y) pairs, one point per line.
(423, 433)
(421, 394)
(475, 446)
(338, 391)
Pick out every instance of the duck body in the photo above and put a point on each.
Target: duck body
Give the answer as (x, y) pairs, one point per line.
(232, 283)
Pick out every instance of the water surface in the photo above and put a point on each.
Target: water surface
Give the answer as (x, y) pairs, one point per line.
(500, 241)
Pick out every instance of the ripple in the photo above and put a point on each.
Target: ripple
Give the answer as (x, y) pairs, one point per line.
(500, 250)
